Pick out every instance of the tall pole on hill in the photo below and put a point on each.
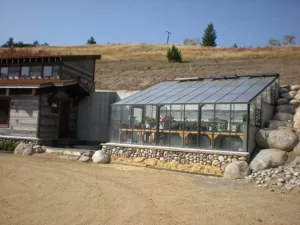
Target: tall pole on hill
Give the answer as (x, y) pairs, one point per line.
(168, 36)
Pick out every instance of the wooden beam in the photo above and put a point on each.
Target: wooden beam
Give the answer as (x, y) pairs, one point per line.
(7, 92)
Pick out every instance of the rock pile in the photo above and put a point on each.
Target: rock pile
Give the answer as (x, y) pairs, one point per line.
(278, 161)
(28, 149)
(284, 176)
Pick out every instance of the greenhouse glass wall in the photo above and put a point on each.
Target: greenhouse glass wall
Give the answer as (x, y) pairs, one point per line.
(220, 112)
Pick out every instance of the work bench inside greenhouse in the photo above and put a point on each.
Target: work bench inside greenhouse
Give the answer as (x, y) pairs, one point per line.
(217, 113)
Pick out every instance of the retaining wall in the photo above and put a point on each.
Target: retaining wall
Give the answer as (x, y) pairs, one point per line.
(196, 160)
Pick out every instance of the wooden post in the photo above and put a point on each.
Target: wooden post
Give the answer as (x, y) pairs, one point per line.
(7, 92)
(33, 92)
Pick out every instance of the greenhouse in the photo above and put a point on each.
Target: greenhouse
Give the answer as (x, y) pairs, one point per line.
(215, 113)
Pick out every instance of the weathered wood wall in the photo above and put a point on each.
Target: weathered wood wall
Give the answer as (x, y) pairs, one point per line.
(49, 122)
(72, 121)
(82, 70)
(24, 113)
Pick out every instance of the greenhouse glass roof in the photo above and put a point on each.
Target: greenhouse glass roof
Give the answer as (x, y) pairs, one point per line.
(216, 89)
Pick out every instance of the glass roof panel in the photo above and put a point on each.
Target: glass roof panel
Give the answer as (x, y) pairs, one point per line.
(238, 90)
(210, 91)
(156, 94)
(254, 90)
(186, 92)
(234, 83)
(179, 92)
(145, 93)
(196, 91)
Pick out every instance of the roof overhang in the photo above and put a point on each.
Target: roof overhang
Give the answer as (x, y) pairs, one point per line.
(36, 84)
(46, 59)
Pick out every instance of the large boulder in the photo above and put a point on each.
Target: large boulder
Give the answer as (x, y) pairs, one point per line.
(294, 163)
(283, 90)
(297, 122)
(101, 157)
(38, 149)
(89, 153)
(293, 154)
(295, 87)
(268, 158)
(285, 109)
(297, 97)
(295, 102)
(283, 116)
(20, 148)
(28, 151)
(236, 170)
(290, 95)
(262, 137)
(282, 101)
(84, 158)
(275, 124)
(296, 150)
(283, 139)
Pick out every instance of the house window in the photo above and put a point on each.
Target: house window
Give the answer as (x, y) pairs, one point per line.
(47, 71)
(4, 112)
(25, 71)
(4, 71)
(35, 71)
(14, 71)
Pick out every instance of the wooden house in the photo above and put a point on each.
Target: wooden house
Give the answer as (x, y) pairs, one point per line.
(39, 95)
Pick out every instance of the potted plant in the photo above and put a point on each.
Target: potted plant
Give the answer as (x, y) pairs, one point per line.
(150, 122)
(166, 120)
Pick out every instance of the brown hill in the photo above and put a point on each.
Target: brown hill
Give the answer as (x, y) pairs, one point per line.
(136, 66)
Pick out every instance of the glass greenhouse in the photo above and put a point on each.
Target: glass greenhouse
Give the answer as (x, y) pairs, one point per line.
(220, 112)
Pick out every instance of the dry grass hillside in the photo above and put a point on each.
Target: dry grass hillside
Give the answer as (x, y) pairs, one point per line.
(136, 66)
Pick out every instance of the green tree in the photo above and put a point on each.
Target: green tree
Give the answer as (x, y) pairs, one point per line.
(174, 54)
(36, 43)
(9, 43)
(209, 37)
(235, 45)
(91, 41)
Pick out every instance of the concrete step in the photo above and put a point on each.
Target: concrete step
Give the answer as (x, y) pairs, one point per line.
(65, 151)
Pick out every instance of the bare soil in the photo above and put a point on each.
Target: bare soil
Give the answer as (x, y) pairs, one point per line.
(137, 75)
(46, 190)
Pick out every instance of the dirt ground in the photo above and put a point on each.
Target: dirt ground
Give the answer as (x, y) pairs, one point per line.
(137, 75)
(47, 190)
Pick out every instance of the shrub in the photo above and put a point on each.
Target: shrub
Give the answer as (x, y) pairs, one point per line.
(7, 145)
(174, 54)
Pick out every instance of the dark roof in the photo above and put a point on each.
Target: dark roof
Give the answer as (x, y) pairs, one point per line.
(35, 83)
(49, 58)
(216, 89)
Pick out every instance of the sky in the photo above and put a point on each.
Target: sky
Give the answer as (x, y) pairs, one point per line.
(71, 22)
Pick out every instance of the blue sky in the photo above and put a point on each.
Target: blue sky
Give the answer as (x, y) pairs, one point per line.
(66, 22)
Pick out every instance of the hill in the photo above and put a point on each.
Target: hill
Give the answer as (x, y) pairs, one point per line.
(136, 66)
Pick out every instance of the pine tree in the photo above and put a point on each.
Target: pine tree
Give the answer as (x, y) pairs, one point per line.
(91, 41)
(209, 37)
(174, 54)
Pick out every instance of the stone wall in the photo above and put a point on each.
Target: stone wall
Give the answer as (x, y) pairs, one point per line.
(10, 144)
(216, 159)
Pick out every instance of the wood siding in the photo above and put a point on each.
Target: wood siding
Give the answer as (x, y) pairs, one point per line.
(72, 121)
(49, 122)
(83, 71)
(24, 116)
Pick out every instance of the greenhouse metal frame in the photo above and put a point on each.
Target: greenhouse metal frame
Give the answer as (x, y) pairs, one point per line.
(215, 113)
